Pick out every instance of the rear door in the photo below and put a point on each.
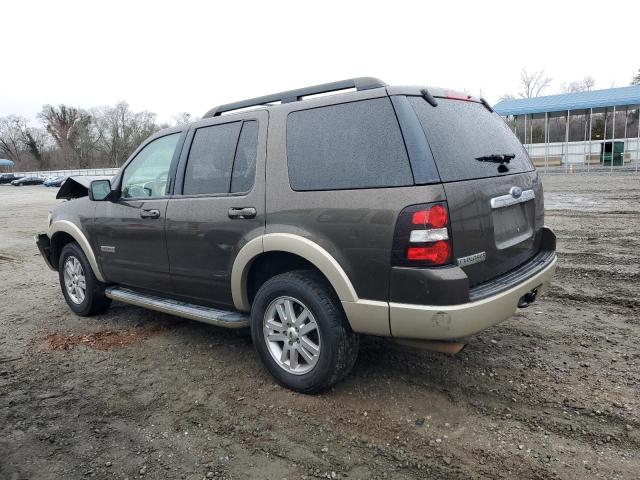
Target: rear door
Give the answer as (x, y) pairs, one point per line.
(218, 204)
(129, 231)
(495, 211)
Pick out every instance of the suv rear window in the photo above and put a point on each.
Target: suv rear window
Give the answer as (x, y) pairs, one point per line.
(345, 146)
(458, 132)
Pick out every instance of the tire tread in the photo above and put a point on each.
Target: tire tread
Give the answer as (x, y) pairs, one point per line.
(98, 302)
(345, 341)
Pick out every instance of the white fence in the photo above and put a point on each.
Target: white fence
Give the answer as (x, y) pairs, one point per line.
(68, 173)
(580, 153)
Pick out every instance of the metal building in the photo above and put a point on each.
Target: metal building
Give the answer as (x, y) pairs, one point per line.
(598, 129)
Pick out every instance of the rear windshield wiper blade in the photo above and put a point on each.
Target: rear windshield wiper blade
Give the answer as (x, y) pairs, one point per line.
(497, 157)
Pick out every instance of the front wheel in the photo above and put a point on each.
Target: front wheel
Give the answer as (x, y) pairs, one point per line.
(82, 291)
(301, 333)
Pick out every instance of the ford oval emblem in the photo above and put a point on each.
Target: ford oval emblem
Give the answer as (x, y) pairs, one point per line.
(515, 192)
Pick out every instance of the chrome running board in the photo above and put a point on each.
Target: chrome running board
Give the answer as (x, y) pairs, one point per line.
(213, 316)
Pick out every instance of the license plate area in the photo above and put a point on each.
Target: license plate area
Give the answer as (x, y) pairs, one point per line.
(511, 225)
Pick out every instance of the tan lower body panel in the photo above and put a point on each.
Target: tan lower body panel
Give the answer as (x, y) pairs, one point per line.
(369, 317)
(447, 322)
(70, 228)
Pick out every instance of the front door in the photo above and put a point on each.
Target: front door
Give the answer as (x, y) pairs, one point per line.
(218, 204)
(129, 231)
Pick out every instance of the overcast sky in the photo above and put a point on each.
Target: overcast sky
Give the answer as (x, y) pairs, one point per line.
(189, 56)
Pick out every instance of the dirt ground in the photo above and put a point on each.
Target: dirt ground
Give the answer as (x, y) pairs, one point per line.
(554, 392)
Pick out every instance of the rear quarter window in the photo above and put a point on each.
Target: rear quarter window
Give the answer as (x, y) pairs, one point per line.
(458, 132)
(346, 146)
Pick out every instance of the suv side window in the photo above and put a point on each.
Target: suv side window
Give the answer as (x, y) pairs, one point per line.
(244, 164)
(345, 146)
(211, 159)
(147, 174)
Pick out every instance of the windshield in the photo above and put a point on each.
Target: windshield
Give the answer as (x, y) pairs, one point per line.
(463, 135)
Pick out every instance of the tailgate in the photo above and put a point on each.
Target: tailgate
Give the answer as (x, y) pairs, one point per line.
(488, 222)
(494, 195)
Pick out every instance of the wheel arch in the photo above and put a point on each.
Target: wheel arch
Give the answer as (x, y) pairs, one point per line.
(300, 247)
(62, 232)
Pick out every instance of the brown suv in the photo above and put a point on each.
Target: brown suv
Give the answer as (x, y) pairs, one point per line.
(402, 212)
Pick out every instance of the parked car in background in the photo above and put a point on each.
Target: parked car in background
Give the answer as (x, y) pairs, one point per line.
(8, 177)
(54, 181)
(48, 180)
(27, 181)
(400, 212)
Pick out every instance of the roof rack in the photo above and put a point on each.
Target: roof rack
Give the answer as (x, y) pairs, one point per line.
(360, 83)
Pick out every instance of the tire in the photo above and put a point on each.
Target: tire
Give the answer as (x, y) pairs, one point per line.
(336, 343)
(92, 300)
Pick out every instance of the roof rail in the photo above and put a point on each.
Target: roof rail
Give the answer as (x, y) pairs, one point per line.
(360, 83)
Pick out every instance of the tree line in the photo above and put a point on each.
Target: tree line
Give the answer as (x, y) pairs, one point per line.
(535, 83)
(67, 137)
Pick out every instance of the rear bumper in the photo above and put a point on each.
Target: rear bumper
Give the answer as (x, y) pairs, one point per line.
(44, 245)
(447, 322)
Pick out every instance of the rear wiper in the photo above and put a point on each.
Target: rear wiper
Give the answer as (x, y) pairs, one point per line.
(497, 158)
(500, 158)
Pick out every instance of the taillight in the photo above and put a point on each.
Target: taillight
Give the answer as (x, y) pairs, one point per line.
(434, 217)
(438, 253)
(422, 236)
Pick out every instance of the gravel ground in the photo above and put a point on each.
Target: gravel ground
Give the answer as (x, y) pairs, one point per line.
(551, 393)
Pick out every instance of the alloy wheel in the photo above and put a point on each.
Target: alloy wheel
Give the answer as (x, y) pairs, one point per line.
(292, 335)
(74, 280)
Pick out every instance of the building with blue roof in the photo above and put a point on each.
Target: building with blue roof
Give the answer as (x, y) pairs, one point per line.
(581, 129)
(5, 164)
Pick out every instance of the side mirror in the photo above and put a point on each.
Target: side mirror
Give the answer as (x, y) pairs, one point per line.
(99, 190)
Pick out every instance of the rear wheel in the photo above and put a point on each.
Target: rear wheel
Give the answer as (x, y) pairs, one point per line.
(301, 333)
(82, 291)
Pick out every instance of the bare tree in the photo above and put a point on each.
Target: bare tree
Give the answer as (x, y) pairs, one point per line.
(505, 97)
(182, 118)
(121, 130)
(584, 85)
(588, 83)
(73, 137)
(636, 78)
(532, 84)
(21, 142)
(34, 140)
(67, 125)
(11, 137)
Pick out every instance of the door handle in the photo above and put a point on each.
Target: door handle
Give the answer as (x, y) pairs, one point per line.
(244, 213)
(153, 213)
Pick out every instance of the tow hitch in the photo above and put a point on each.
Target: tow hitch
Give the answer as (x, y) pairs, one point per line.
(528, 298)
